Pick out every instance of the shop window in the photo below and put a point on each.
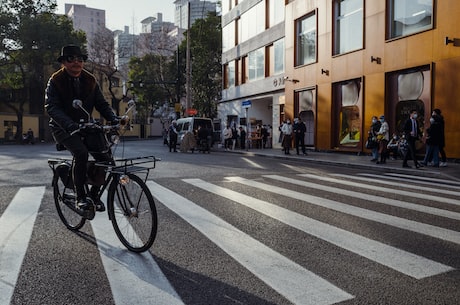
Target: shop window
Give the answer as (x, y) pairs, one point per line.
(304, 108)
(408, 90)
(407, 17)
(348, 26)
(306, 40)
(347, 122)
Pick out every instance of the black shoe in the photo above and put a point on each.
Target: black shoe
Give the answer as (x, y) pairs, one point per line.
(406, 166)
(86, 207)
(100, 207)
(373, 160)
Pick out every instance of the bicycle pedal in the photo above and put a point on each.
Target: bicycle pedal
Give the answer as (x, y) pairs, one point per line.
(89, 213)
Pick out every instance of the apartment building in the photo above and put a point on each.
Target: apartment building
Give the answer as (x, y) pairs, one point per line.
(345, 61)
(89, 20)
(195, 9)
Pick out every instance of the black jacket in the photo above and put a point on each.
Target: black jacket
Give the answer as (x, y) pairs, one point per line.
(59, 96)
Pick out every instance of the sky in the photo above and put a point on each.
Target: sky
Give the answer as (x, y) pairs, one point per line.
(119, 13)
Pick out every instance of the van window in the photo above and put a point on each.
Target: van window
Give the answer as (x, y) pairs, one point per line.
(186, 126)
(203, 123)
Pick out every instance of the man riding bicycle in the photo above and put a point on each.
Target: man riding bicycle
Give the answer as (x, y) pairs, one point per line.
(70, 83)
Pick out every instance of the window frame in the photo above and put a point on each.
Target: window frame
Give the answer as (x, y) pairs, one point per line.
(390, 19)
(297, 62)
(336, 29)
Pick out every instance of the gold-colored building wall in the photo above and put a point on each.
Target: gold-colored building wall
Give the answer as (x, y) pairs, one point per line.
(426, 48)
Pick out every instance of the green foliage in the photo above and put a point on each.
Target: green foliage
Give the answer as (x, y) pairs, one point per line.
(206, 53)
(153, 81)
(31, 39)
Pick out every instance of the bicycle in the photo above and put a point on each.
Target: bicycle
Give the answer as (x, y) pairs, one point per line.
(130, 204)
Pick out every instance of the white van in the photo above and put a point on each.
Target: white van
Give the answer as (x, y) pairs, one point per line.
(191, 124)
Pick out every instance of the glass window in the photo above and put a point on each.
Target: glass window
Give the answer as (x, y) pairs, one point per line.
(279, 56)
(276, 12)
(306, 40)
(230, 73)
(228, 36)
(256, 62)
(348, 27)
(252, 22)
(409, 16)
(347, 99)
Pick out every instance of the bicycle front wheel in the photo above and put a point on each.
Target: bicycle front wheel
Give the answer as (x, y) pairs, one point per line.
(132, 211)
(64, 199)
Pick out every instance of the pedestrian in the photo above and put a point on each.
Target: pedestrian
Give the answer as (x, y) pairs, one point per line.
(30, 136)
(393, 146)
(375, 127)
(242, 138)
(383, 135)
(172, 132)
(227, 134)
(286, 129)
(264, 135)
(299, 130)
(432, 141)
(234, 136)
(442, 143)
(412, 132)
(72, 82)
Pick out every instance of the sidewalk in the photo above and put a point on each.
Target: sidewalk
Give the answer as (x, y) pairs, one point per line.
(353, 160)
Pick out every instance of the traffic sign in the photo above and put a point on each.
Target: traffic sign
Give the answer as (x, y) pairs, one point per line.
(246, 104)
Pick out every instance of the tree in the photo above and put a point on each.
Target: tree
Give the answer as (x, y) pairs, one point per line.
(206, 67)
(32, 36)
(154, 81)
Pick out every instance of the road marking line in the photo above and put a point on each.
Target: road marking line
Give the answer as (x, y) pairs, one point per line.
(406, 224)
(123, 266)
(297, 284)
(380, 189)
(364, 196)
(397, 259)
(447, 183)
(417, 187)
(252, 163)
(16, 225)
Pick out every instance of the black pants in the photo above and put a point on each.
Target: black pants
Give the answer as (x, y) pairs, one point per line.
(76, 146)
(172, 143)
(411, 151)
(300, 142)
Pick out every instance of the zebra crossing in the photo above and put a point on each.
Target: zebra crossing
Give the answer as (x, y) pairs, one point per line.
(297, 283)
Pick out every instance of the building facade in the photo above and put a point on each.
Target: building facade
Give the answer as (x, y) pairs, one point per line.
(198, 10)
(345, 61)
(89, 20)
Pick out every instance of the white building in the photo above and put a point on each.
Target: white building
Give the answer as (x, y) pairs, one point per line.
(87, 19)
(198, 10)
(253, 64)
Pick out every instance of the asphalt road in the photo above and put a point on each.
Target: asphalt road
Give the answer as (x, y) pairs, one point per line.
(236, 229)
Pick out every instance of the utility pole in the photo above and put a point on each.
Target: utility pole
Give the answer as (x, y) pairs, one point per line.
(188, 103)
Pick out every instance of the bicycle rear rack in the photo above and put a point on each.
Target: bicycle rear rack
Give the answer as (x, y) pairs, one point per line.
(130, 165)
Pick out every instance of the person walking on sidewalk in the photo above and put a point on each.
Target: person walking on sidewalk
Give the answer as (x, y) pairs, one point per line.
(411, 130)
(286, 129)
(432, 141)
(442, 143)
(172, 132)
(375, 127)
(299, 130)
(384, 136)
(227, 133)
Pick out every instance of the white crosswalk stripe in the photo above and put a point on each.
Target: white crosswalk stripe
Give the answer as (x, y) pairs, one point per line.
(16, 225)
(399, 260)
(429, 230)
(294, 282)
(290, 279)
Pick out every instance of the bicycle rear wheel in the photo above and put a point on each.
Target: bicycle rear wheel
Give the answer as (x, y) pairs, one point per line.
(64, 199)
(132, 211)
